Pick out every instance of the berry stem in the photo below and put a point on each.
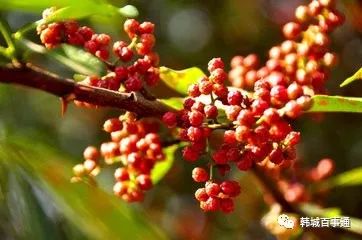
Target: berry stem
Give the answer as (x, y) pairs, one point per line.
(133, 43)
(8, 52)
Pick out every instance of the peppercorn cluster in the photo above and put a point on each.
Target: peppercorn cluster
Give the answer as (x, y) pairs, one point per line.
(136, 146)
(135, 62)
(257, 130)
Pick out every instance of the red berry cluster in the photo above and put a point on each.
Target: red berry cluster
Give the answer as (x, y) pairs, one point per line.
(194, 120)
(123, 76)
(136, 145)
(216, 196)
(258, 131)
(90, 165)
(299, 66)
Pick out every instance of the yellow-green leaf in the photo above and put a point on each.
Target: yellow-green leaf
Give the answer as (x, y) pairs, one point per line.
(324, 103)
(354, 77)
(174, 102)
(180, 80)
(162, 168)
(349, 178)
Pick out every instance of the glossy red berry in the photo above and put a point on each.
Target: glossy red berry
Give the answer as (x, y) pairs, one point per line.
(200, 175)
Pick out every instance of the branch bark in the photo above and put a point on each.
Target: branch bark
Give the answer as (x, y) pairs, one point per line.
(35, 77)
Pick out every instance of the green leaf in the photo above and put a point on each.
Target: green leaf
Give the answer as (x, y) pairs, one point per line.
(174, 102)
(78, 60)
(75, 58)
(40, 5)
(315, 210)
(180, 80)
(324, 103)
(354, 77)
(95, 212)
(162, 168)
(348, 178)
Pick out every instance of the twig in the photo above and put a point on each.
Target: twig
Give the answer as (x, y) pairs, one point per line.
(35, 77)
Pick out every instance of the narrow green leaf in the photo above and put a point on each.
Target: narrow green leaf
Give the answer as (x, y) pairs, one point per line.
(354, 77)
(75, 58)
(324, 103)
(39, 5)
(174, 102)
(79, 60)
(96, 213)
(161, 168)
(315, 210)
(348, 178)
(180, 80)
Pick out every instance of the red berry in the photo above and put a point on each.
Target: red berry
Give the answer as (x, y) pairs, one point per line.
(196, 118)
(121, 73)
(200, 175)
(212, 204)
(144, 182)
(86, 32)
(146, 27)
(214, 64)
(292, 109)
(291, 30)
(125, 54)
(148, 40)
(193, 90)
(120, 188)
(205, 87)
(242, 133)
(227, 205)
(230, 188)
(190, 154)
(219, 157)
(276, 156)
(112, 125)
(188, 102)
(211, 111)
(292, 138)
(251, 61)
(279, 93)
(245, 164)
(220, 90)
(246, 117)
(121, 174)
(212, 189)
(201, 195)
(258, 106)
(131, 27)
(235, 98)
(229, 137)
(194, 134)
(279, 130)
(170, 119)
(91, 153)
(271, 115)
(133, 83)
(218, 76)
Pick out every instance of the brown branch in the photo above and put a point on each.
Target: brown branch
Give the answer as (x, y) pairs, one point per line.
(32, 76)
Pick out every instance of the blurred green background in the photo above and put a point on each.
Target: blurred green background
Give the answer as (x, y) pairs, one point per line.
(38, 147)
